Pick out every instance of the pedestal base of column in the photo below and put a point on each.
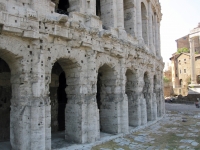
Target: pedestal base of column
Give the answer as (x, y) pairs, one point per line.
(194, 92)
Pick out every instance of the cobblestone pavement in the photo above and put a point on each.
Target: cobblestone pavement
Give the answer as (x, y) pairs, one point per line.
(179, 129)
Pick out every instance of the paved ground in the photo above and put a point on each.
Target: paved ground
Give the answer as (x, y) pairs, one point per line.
(179, 129)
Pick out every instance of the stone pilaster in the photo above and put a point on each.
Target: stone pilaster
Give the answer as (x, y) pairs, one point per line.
(124, 119)
(192, 62)
(143, 106)
(150, 26)
(139, 20)
(93, 129)
(159, 45)
(156, 35)
(120, 14)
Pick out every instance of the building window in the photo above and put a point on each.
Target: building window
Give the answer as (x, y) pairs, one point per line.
(184, 70)
(184, 59)
(179, 91)
(179, 60)
(176, 75)
(180, 71)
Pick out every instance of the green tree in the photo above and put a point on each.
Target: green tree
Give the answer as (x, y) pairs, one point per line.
(166, 80)
(183, 50)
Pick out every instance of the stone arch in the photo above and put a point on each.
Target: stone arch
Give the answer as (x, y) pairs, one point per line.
(131, 91)
(66, 97)
(147, 95)
(106, 83)
(144, 22)
(10, 69)
(129, 13)
(113, 63)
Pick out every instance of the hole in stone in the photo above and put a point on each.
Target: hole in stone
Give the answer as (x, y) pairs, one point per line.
(62, 7)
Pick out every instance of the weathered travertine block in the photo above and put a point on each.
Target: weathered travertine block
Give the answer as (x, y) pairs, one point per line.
(79, 66)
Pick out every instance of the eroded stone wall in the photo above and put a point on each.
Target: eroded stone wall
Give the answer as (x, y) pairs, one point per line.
(103, 64)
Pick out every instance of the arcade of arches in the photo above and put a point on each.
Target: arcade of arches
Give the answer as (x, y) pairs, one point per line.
(76, 69)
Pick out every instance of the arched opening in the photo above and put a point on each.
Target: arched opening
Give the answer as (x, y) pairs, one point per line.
(64, 81)
(144, 23)
(98, 8)
(131, 82)
(105, 99)
(62, 6)
(147, 96)
(5, 97)
(180, 82)
(129, 16)
(58, 98)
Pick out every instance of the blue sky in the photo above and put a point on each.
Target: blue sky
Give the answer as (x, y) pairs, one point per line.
(179, 17)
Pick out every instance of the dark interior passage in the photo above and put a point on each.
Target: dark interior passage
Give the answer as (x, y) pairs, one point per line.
(98, 8)
(58, 98)
(5, 96)
(62, 100)
(99, 84)
(62, 6)
(98, 95)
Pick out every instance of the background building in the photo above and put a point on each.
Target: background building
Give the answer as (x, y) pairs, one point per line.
(181, 65)
(167, 82)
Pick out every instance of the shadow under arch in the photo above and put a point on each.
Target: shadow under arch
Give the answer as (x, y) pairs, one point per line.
(10, 69)
(65, 100)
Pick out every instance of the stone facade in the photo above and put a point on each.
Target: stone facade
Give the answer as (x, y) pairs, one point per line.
(62, 67)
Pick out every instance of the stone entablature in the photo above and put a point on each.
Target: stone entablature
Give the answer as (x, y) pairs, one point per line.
(125, 69)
